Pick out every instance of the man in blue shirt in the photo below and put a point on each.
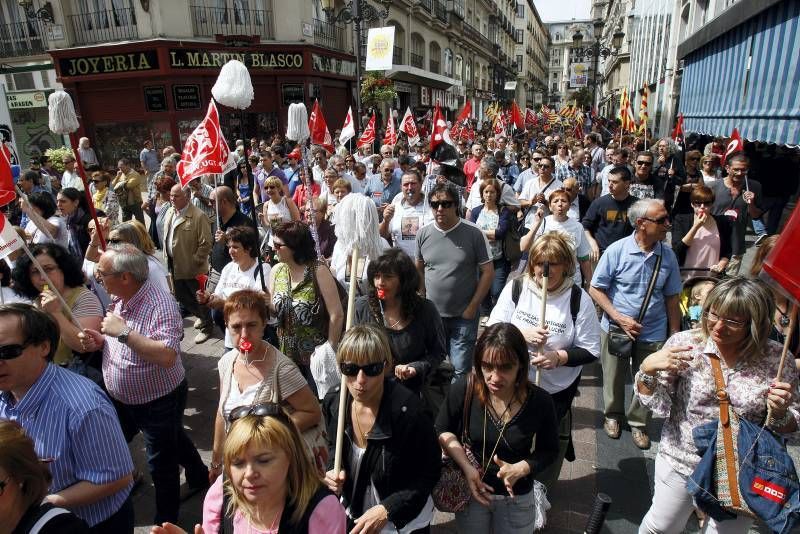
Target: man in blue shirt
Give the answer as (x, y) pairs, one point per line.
(71, 421)
(619, 286)
(383, 187)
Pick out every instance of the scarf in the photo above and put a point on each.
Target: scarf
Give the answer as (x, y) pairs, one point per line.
(99, 197)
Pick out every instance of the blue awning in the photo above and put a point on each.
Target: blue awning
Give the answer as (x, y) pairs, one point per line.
(748, 78)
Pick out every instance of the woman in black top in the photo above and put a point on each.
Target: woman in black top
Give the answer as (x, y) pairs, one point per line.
(508, 418)
(412, 324)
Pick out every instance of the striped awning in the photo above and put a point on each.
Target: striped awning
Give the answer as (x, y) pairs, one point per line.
(748, 78)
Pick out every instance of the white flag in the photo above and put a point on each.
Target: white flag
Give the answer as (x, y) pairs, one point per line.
(409, 127)
(348, 130)
(9, 238)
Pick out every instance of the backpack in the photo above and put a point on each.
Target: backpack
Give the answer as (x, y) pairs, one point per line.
(574, 298)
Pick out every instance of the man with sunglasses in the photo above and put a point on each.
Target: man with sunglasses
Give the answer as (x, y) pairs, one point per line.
(537, 191)
(451, 253)
(528, 174)
(645, 183)
(619, 286)
(70, 419)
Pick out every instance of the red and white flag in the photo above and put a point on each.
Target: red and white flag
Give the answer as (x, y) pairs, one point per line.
(390, 137)
(320, 135)
(409, 127)
(459, 129)
(9, 238)
(348, 129)
(516, 116)
(530, 117)
(439, 127)
(368, 137)
(734, 145)
(205, 151)
(7, 193)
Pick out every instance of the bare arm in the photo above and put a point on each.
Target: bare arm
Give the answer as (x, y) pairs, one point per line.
(152, 350)
(84, 493)
(307, 412)
(327, 286)
(421, 270)
(484, 283)
(294, 212)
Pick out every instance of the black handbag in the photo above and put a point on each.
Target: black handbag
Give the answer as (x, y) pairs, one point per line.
(620, 343)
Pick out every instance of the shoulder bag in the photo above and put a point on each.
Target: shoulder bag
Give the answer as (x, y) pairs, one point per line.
(620, 343)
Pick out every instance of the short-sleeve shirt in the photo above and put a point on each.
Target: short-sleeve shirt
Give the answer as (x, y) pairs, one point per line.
(452, 259)
(572, 228)
(382, 193)
(406, 223)
(233, 279)
(607, 219)
(624, 272)
(507, 196)
(149, 160)
(734, 210)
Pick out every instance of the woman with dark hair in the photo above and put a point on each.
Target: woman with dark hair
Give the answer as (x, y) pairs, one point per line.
(158, 208)
(506, 414)
(307, 188)
(72, 205)
(244, 186)
(67, 277)
(45, 226)
(701, 241)
(104, 198)
(305, 298)
(694, 178)
(7, 294)
(411, 322)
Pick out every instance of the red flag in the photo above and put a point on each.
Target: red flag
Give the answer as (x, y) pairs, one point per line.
(320, 135)
(9, 238)
(678, 130)
(734, 145)
(390, 137)
(7, 193)
(781, 264)
(530, 117)
(368, 137)
(409, 127)
(516, 116)
(439, 126)
(205, 151)
(500, 124)
(459, 129)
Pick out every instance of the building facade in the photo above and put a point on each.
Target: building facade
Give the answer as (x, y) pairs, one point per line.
(614, 70)
(568, 70)
(532, 44)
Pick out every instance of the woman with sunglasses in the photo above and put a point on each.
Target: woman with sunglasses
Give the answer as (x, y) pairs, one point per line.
(510, 428)
(24, 483)
(701, 241)
(390, 458)
(677, 383)
(255, 372)
(562, 157)
(103, 197)
(278, 209)
(270, 485)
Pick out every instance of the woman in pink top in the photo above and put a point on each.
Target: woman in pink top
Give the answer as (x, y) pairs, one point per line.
(701, 241)
(270, 484)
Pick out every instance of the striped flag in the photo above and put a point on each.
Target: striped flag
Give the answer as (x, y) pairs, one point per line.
(627, 122)
(643, 110)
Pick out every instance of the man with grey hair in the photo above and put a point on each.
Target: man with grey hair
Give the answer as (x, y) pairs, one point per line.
(619, 286)
(141, 343)
(383, 187)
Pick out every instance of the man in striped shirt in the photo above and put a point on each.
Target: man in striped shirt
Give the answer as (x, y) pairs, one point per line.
(69, 418)
(144, 375)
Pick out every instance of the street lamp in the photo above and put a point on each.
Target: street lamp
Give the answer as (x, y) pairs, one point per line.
(596, 49)
(45, 13)
(355, 12)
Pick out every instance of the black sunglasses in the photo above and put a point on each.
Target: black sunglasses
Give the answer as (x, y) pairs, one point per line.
(267, 409)
(660, 220)
(114, 240)
(11, 352)
(536, 159)
(644, 163)
(436, 204)
(371, 369)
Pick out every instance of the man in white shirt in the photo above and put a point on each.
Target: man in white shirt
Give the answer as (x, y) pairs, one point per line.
(407, 213)
(70, 178)
(537, 191)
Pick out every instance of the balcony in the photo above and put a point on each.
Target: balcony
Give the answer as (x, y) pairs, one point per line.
(397, 56)
(415, 60)
(211, 21)
(22, 39)
(110, 25)
(328, 35)
(440, 11)
(427, 5)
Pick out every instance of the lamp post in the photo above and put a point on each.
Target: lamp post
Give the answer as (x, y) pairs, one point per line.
(596, 50)
(356, 12)
(45, 14)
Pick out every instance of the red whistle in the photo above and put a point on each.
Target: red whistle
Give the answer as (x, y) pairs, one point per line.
(245, 346)
(381, 294)
(202, 280)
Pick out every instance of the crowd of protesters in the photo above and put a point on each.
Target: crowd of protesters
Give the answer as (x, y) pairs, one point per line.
(504, 269)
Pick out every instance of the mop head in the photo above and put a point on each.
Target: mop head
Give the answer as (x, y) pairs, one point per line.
(297, 125)
(357, 226)
(63, 119)
(234, 87)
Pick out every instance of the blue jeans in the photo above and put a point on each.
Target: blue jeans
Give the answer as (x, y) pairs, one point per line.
(461, 335)
(505, 515)
(168, 446)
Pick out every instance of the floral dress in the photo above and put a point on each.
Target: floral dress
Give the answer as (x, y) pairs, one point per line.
(299, 314)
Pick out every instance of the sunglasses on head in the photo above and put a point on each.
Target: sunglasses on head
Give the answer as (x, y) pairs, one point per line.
(11, 352)
(371, 369)
(436, 204)
(267, 409)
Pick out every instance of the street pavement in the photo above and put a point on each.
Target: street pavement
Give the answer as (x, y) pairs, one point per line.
(614, 467)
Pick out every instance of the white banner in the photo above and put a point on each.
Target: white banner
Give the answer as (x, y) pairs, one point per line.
(578, 75)
(380, 48)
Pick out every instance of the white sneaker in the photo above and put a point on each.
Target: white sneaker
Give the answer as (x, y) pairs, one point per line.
(201, 337)
(197, 323)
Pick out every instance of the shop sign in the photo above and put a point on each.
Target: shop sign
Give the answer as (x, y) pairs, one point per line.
(186, 97)
(32, 99)
(292, 93)
(424, 96)
(108, 64)
(185, 58)
(437, 95)
(402, 87)
(333, 65)
(155, 98)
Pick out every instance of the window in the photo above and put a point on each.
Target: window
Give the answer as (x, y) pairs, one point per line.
(519, 62)
(448, 62)
(519, 36)
(558, 37)
(23, 81)
(555, 86)
(468, 71)
(459, 67)
(520, 10)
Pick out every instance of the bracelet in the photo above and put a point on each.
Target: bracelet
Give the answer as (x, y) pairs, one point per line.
(779, 423)
(648, 381)
(215, 465)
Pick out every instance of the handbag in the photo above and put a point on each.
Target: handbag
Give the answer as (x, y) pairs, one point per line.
(620, 343)
(451, 493)
(511, 247)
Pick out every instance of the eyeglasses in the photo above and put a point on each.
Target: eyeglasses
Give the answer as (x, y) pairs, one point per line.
(703, 203)
(11, 352)
(100, 273)
(644, 163)
(371, 369)
(436, 204)
(270, 187)
(267, 409)
(544, 166)
(660, 220)
(536, 159)
(712, 317)
(114, 240)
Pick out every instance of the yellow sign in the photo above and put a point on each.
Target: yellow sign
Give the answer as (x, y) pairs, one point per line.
(35, 99)
(380, 48)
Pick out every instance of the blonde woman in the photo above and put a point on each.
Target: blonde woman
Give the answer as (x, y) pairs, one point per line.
(278, 208)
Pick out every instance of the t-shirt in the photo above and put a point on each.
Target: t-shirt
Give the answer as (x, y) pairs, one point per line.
(585, 333)
(607, 219)
(735, 210)
(61, 237)
(652, 188)
(380, 192)
(507, 196)
(406, 222)
(452, 259)
(572, 228)
(233, 279)
(533, 188)
(219, 252)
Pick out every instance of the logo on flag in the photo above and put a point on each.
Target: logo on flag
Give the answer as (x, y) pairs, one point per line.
(439, 127)
(348, 129)
(9, 238)
(7, 193)
(368, 137)
(409, 127)
(390, 137)
(734, 145)
(205, 151)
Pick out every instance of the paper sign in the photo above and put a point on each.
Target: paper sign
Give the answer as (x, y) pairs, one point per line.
(380, 47)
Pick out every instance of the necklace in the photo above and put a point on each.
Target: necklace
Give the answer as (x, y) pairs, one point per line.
(361, 434)
(271, 528)
(784, 320)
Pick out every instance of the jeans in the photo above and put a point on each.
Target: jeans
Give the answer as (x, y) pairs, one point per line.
(759, 228)
(616, 371)
(505, 515)
(168, 446)
(501, 270)
(461, 335)
(672, 505)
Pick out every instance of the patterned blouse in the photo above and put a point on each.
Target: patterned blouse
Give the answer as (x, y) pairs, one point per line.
(299, 314)
(689, 399)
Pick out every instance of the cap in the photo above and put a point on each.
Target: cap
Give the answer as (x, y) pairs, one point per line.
(295, 154)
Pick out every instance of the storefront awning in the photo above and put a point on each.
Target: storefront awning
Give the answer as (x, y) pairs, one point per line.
(747, 78)
(407, 73)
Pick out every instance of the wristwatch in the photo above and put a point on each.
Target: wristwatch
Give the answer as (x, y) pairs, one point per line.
(648, 381)
(123, 336)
